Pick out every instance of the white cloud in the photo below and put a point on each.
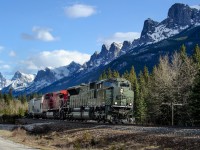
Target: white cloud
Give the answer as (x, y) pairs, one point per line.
(196, 7)
(79, 10)
(119, 37)
(1, 48)
(12, 54)
(39, 33)
(53, 59)
(4, 67)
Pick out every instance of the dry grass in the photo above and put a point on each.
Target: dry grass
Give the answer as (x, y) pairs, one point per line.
(101, 138)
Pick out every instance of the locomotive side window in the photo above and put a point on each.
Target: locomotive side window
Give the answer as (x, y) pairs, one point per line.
(124, 84)
(92, 85)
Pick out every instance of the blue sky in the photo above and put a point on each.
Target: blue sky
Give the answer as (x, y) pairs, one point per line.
(50, 33)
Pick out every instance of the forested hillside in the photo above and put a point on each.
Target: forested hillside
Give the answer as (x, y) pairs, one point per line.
(168, 95)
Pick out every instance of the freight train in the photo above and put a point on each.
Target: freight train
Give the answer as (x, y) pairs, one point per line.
(109, 100)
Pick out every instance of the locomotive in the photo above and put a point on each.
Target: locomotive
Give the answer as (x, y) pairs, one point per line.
(109, 100)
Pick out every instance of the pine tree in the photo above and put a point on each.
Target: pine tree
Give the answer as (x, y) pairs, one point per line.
(6, 99)
(132, 77)
(115, 74)
(10, 94)
(141, 100)
(109, 73)
(194, 103)
(183, 52)
(104, 76)
(126, 75)
(1, 96)
(146, 74)
(196, 55)
(136, 100)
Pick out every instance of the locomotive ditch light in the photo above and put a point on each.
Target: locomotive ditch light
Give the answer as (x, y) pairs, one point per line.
(130, 104)
(115, 103)
(121, 91)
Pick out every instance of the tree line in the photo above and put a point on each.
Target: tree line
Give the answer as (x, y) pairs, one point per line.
(10, 105)
(173, 85)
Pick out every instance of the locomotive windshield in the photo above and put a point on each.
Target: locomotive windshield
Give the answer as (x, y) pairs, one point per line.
(109, 84)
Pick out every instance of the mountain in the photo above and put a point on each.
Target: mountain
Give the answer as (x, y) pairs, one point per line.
(48, 76)
(19, 82)
(157, 38)
(144, 55)
(107, 54)
(3, 81)
(182, 26)
(180, 17)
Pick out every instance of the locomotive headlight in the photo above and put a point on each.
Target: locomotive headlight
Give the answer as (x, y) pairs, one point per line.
(115, 103)
(122, 90)
(130, 104)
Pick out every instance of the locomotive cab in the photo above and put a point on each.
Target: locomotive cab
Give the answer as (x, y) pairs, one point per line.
(119, 99)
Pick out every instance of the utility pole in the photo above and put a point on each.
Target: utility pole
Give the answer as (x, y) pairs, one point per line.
(172, 107)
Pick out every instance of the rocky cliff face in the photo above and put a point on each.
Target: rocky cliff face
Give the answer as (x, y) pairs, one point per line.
(105, 56)
(180, 17)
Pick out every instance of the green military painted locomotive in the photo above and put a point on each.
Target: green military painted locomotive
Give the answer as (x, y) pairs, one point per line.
(109, 100)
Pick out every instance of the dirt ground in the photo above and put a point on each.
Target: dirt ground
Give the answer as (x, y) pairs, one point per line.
(64, 135)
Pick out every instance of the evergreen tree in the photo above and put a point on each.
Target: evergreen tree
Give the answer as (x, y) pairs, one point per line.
(6, 99)
(23, 99)
(136, 100)
(141, 101)
(183, 52)
(194, 103)
(10, 94)
(115, 74)
(103, 75)
(126, 75)
(109, 73)
(132, 77)
(146, 74)
(196, 55)
(1, 96)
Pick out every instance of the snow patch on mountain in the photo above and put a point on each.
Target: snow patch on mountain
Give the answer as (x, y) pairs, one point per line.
(48, 76)
(162, 32)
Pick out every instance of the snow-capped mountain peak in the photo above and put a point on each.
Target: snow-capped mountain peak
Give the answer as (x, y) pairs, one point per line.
(19, 82)
(180, 17)
(3, 81)
(23, 77)
(48, 76)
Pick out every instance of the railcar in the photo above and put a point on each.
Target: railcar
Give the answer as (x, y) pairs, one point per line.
(35, 108)
(54, 102)
(109, 100)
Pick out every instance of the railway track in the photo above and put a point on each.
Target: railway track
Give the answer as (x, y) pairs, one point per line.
(95, 123)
